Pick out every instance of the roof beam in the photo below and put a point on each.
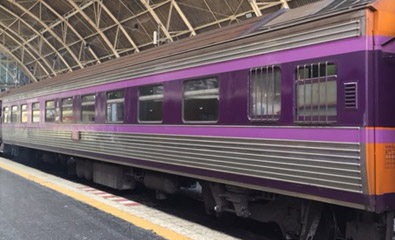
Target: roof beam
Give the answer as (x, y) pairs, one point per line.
(285, 3)
(66, 17)
(65, 21)
(18, 61)
(120, 26)
(36, 32)
(6, 61)
(233, 16)
(212, 13)
(156, 18)
(7, 70)
(255, 7)
(183, 17)
(18, 18)
(96, 27)
(43, 61)
(38, 19)
(232, 11)
(23, 42)
(228, 18)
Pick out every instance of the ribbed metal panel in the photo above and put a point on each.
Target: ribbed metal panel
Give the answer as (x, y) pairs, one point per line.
(322, 164)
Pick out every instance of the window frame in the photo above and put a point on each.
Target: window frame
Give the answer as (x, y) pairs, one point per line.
(268, 118)
(32, 112)
(118, 100)
(70, 105)
(183, 100)
(23, 111)
(320, 119)
(6, 119)
(46, 109)
(13, 112)
(149, 96)
(90, 103)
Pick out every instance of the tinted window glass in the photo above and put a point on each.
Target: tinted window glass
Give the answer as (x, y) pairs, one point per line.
(50, 111)
(36, 112)
(6, 115)
(114, 95)
(88, 108)
(201, 100)
(67, 110)
(14, 114)
(23, 113)
(150, 103)
(115, 106)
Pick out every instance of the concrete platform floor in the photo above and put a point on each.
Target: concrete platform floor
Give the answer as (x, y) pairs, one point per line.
(36, 205)
(31, 211)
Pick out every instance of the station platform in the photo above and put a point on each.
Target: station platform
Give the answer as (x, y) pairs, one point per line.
(37, 205)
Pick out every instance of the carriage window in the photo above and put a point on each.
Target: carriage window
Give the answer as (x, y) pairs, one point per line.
(150, 103)
(265, 93)
(115, 101)
(23, 113)
(6, 115)
(201, 100)
(88, 108)
(50, 111)
(316, 100)
(36, 112)
(67, 110)
(14, 114)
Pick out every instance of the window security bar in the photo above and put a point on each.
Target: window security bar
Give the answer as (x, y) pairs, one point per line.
(265, 94)
(316, 97)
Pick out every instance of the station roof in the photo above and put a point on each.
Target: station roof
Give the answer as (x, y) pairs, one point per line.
(50, 37)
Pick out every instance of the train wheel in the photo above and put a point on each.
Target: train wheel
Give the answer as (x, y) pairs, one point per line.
(319, 223)
(208, 199)
(327, 228)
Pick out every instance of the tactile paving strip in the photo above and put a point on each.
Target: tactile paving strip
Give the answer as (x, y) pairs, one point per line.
(109, 196)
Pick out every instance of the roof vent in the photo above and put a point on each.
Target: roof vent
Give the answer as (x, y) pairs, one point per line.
(350, 95)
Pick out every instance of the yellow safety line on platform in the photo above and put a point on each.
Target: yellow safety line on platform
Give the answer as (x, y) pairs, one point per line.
(139, 222)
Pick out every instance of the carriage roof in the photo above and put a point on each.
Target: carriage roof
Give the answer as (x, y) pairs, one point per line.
(194, 45)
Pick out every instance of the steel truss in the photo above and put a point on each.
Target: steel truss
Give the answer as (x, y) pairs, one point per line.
(46, 41)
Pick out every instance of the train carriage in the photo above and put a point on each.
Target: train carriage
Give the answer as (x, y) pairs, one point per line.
(286, 118)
